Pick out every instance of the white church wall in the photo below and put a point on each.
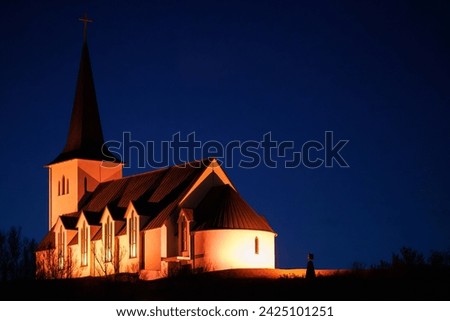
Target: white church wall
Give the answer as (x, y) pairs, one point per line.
(100, 265)
(73, 261)
(63, 192)
(152, 249)
(155, 251)
(229, 249)
(126, 264)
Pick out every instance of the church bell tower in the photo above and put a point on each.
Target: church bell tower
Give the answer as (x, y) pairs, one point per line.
(84, 162)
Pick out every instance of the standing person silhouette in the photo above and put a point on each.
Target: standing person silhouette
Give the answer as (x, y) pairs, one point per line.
(310, 272)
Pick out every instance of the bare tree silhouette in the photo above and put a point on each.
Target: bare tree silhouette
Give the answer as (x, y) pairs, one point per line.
(16, 255)
(108, 264)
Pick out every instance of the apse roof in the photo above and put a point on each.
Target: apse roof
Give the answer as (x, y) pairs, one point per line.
(223, 208)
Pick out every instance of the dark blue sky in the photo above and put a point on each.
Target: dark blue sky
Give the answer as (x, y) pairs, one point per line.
(377, 75)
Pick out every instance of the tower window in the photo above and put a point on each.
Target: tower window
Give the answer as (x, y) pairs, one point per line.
(256, 245)
(63, 186)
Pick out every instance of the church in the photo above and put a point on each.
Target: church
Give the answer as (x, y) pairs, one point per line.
(185, 217)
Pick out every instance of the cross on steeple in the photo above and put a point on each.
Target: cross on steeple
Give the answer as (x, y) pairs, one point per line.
(85, 20)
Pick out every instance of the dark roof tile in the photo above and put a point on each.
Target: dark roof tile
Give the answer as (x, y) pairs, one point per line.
(223, 208)
(69, 222)
(93, 218)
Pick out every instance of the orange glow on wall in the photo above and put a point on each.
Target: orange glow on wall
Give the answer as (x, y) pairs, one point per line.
(228, 249)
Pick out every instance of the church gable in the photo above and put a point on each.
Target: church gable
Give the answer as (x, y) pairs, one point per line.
(60, 259)
(213, 175)
(87, 225)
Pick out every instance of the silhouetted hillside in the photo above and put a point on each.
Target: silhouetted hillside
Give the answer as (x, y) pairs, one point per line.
(357, 285)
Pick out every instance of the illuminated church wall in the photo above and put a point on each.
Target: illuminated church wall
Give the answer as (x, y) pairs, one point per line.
(153, 249)
(91, 173)
(63, 191)
(229, 249)
(126, 262)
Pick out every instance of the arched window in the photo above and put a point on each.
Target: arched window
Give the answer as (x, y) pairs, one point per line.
(84, 245)
(184, 234)
(59, 188)
(133, 233)
(256, 245)
(61, 247)
(63, 183)
(67, 183)
(108, 240)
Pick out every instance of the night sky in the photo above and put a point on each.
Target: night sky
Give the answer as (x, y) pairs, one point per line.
(374, 75)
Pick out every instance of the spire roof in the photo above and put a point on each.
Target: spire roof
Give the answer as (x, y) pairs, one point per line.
(85, 137)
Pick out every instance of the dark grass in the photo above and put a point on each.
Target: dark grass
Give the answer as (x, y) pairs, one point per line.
(354, 286)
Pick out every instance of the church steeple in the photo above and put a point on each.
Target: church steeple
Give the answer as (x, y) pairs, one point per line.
(84, 163)
(85, 137)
